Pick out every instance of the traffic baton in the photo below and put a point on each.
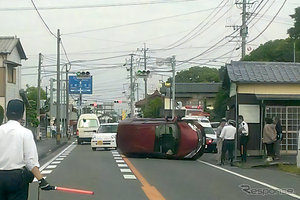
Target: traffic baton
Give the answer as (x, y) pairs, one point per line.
(73, 190)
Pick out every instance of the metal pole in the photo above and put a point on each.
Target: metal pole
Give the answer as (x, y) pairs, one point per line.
(173, 86)
(38, 97)
(67, 99)
(294, 51)
(131, 88)
(58, 91)
(236, 123)
(244, 29)
(145, 79)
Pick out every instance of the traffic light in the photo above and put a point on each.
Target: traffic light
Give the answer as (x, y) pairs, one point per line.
(83, 74)
(93, 104)
(118, 101)
(142, 73)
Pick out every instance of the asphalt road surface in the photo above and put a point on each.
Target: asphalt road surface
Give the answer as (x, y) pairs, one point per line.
(111, 176)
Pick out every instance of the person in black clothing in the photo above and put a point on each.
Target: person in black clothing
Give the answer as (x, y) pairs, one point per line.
(278, 128)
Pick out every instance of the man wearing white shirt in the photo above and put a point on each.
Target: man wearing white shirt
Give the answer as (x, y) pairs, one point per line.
(228, 134)
(19, 158)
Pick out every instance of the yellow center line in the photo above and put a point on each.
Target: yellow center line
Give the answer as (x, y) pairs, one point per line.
(151, 192)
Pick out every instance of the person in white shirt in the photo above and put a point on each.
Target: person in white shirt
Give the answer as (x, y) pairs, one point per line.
(19, 157)
(228, 135)
(244, 137)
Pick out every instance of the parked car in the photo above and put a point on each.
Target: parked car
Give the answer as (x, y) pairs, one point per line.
(211, 139)
(87, 125)
(105, 137)
(160, 137)
(215, 125)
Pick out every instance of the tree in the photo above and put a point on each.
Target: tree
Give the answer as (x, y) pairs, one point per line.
(281, 50)
(153, 110)
(220, 105)
(31, 114)
(197, 75)
(294, 32)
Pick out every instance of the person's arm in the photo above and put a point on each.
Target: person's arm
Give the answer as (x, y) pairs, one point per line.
(222, 133)
(36, 172)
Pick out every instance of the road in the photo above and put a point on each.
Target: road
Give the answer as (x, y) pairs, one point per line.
(111, 177)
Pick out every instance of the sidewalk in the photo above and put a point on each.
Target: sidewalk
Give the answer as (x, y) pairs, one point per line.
(46, 146)
(253, 161)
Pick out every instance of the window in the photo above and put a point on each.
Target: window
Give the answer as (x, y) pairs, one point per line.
(11, 74)
(88, 123)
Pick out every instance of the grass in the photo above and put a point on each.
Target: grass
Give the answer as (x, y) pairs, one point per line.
(289, 168)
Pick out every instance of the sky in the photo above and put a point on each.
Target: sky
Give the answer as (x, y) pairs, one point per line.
(99, 35)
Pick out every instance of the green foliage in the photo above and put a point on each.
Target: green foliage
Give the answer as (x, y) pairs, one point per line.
(294, 32)
(197, 75)
(220, 105)
(153, 109)
(1, 114)
(31, 113)
(278, 50)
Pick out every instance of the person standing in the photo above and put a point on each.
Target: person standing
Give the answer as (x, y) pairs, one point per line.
(244, 137)
(278, 129)
(220, 140)
(228, 134)
(269, 137)
(19, 157)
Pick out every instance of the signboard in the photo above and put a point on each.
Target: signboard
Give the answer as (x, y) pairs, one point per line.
(81, 85)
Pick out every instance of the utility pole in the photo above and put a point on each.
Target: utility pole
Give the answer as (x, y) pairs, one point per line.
(173, 62)
(39, 96)
(58, 134)
(145, 67)
(67, 99)
(244, 29)
(131, 88)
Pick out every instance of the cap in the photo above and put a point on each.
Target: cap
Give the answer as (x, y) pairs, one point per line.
(223, 119)
(232, 122)
(15, 109)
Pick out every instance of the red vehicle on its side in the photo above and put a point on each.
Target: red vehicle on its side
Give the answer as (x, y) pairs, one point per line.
(161, 137)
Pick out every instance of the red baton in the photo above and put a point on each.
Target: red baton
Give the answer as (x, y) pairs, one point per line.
(74, 190)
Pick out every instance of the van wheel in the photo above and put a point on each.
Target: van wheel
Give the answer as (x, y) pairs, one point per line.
(94, 149)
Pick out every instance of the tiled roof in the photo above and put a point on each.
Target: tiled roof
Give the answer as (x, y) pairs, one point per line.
(7, 44)
(263, 72)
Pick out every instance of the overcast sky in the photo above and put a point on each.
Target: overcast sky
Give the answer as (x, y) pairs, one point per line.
(99, 35)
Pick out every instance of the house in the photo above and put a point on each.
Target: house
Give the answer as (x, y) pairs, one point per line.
(191, 95)
(265, 89)
(11, 54)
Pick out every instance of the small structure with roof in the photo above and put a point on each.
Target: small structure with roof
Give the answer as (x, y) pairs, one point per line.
(265, 89)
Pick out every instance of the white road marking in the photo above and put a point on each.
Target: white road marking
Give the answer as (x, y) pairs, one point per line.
(51, 166)
(122, 165)
(46, 172)
(116, 155)
(56, 162)
(60, 158)
(125, 170)
(129, 176)
(118, 158)
(120, 161)
(250, 179)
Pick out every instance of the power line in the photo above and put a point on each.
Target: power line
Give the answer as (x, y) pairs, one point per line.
(43, 19)
(95, 6)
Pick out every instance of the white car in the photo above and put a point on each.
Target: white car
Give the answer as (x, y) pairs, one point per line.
(105, 137)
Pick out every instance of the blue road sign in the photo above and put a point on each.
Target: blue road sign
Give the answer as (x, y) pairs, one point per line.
(80, 85)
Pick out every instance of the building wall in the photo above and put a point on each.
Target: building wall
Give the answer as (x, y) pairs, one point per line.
(14, 56)
(287, 88)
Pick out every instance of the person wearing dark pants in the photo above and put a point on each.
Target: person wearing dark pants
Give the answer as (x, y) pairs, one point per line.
(18, 158)
(228, 134)
(228, 145)
(278, 129)
(244, 137)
